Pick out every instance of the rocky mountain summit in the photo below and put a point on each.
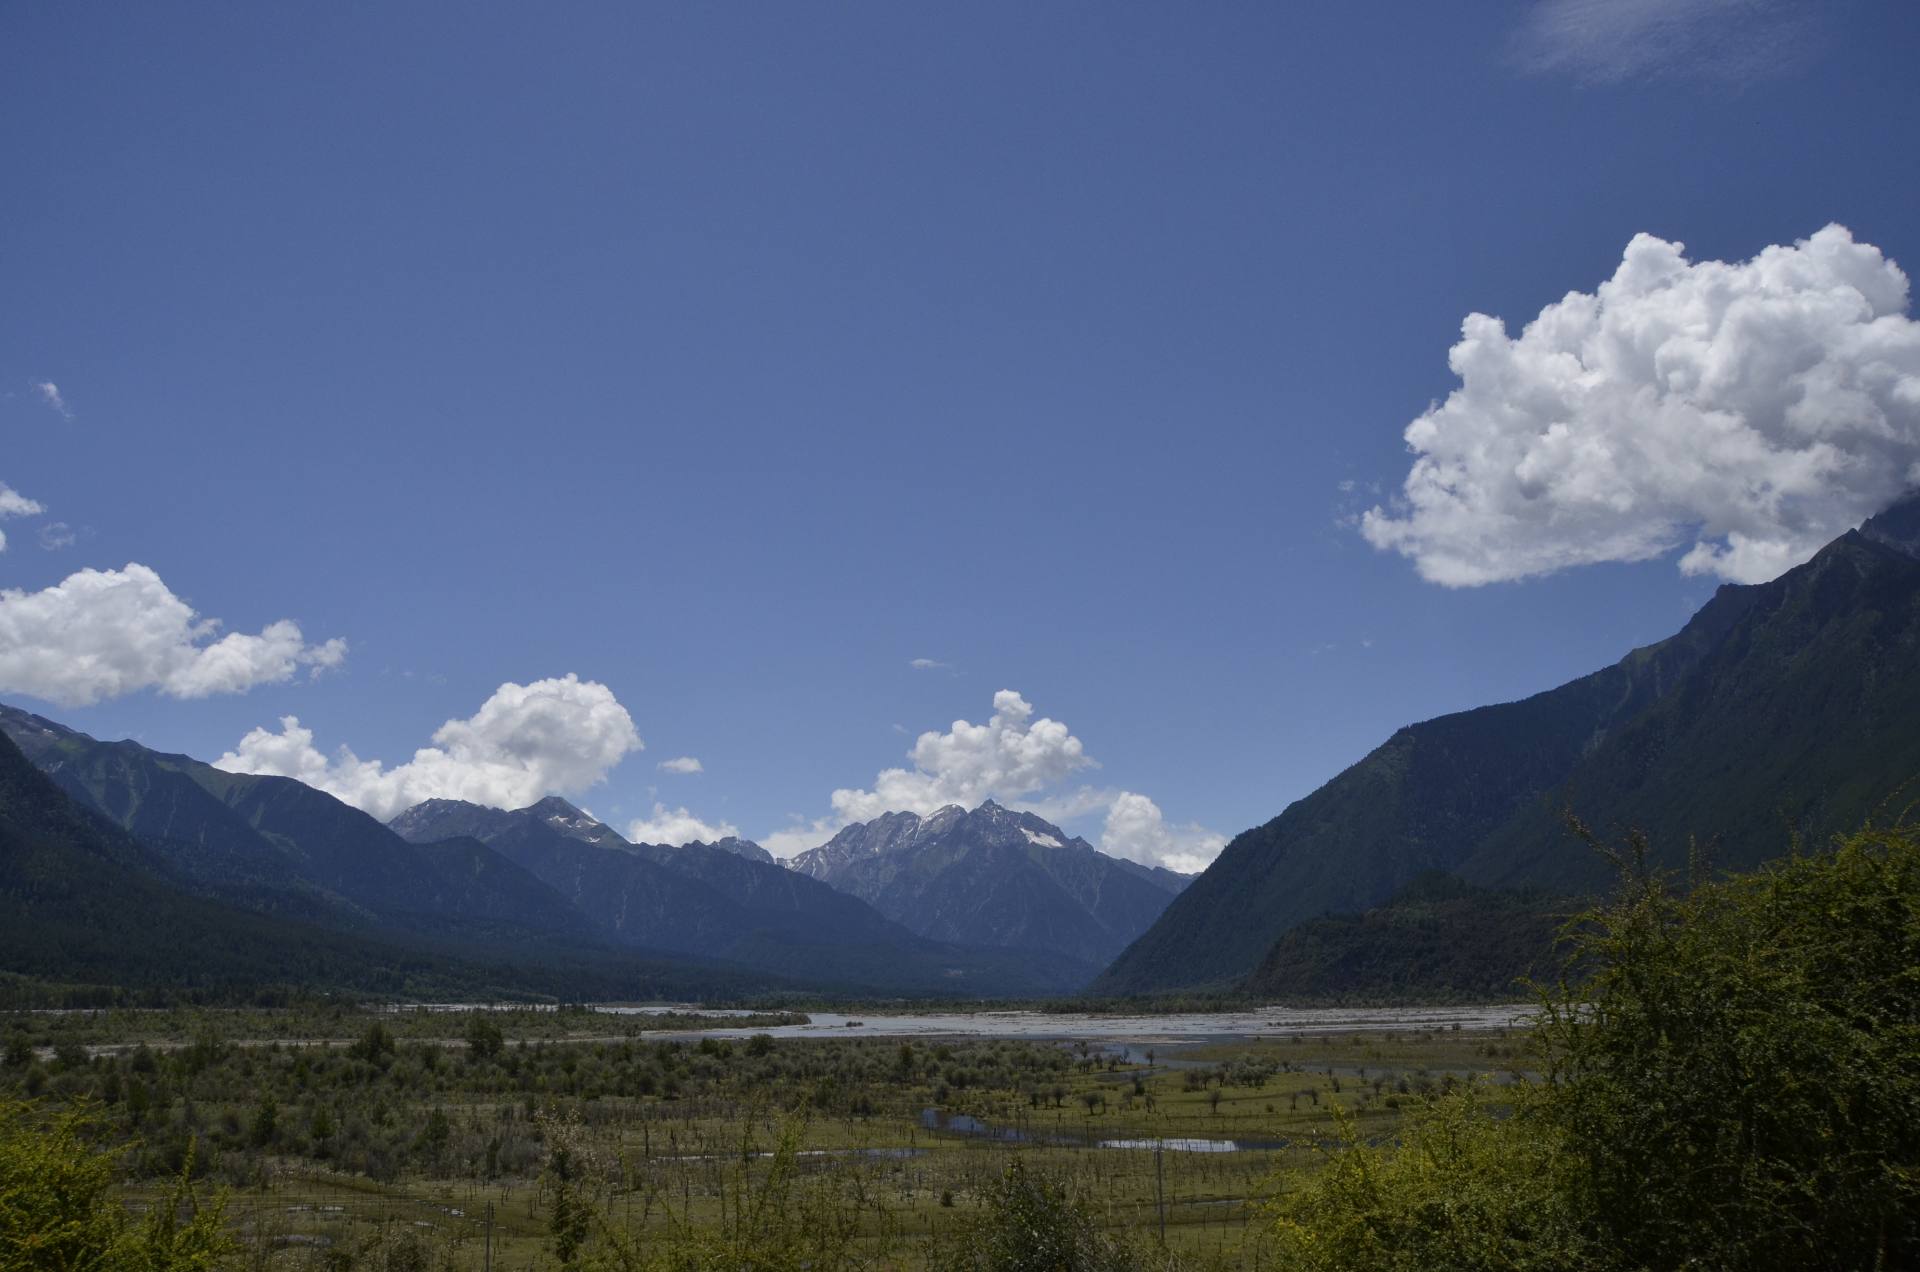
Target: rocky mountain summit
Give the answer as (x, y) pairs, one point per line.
(994, 876)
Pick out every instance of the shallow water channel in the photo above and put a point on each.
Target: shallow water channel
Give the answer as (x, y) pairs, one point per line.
(970, 1127)
(1132, 1029)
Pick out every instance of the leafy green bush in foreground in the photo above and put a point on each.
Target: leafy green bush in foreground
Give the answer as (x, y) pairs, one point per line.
(57, 1211)
(1736, 1085)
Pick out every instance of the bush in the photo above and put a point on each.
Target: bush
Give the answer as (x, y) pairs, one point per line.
(56, 1211)
(1741, 1072)
(1735, 1084)
(1030, 1223)
(1463, 1191)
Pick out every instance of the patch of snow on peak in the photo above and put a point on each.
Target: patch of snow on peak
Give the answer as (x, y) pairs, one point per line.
(1045, 841)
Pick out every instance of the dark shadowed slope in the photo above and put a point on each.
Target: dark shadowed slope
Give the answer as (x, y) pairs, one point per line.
(1790, 706)
(1804, 721)
(276, 845)
(82, 902)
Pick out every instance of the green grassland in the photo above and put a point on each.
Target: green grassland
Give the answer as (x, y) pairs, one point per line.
(384, 1138)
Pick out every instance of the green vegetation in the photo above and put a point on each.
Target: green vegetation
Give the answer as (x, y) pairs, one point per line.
(1438, 940)
(57, 1210)
(342, 1132)
(1733, 1087)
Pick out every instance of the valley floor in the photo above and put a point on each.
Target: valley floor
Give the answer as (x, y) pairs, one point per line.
(379, 1136)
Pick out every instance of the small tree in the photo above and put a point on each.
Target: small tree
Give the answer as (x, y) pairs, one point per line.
(484, 1039)
(1031, 1223)
(570, 1211)
(266, 1120)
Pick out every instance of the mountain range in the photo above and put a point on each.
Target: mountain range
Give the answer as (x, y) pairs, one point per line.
(1782, 711)
(1438, 864)
(997, 877)
(732, 901)
(90, 914)
(550, 879)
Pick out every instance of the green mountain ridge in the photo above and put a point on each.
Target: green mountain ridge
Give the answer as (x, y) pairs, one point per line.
(1790, 707)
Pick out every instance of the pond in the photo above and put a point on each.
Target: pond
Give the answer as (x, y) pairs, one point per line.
(970, 1127)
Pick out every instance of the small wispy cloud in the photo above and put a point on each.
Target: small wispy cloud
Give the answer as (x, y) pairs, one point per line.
(1613, 41)
(50, 394)
(929, 664)
(682, 764)
(56, 535)
(15, 504)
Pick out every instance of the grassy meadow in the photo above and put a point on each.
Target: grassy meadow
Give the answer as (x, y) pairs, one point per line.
(350, 1138)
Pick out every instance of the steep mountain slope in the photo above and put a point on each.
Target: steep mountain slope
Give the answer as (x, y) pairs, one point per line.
(994, 877)
(722, 902)
(1786, 706)
(276, 845)
(1801, 722)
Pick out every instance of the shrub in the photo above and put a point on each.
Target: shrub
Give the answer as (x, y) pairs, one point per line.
(1462, 1191)
(1733, 1085)
(56, 1210)
(1030, 1223)
(1739, 1073)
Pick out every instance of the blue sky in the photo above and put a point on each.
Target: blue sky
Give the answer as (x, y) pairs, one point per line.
(734, 357)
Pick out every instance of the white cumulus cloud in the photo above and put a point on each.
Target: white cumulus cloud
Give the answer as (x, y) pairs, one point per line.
(1009, 756)
(1752, 411)
(1136, 829)
(677, 826)
(104, 633)
(551, 737)
(682, 764)
(1019, 761)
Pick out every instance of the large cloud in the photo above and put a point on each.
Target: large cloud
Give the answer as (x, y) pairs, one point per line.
(103, 633)
(677, 826)
(1009, 756)
(1137, 830)
(550, 737)
(1756, 409)
(15, 504)
(1019, 761)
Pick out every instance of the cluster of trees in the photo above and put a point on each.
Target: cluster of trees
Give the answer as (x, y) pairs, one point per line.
(387, 1108)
